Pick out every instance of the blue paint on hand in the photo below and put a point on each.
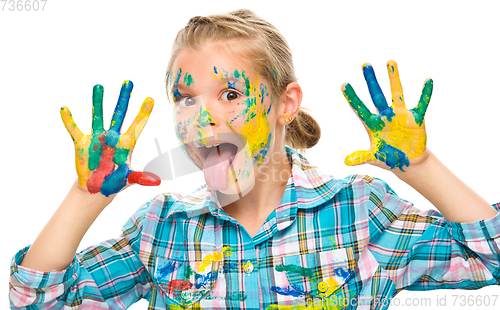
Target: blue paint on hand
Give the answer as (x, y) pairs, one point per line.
(112, 138)
(121, 106)
(115, 181)
(391, 156)
(376, 93)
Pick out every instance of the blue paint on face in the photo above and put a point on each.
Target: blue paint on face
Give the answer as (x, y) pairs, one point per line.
(287, 291)
(391, 156)
(215, 70)
(378, 97)
(176, 94)
(175, 90)
(264, 149)
(115, 181)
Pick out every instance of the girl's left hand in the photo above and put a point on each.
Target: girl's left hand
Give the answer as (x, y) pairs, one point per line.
(397, 135)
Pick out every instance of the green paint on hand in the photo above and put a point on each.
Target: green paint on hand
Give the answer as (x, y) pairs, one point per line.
(373, 121)
(121, 155)
(419, 111)
(95, 150)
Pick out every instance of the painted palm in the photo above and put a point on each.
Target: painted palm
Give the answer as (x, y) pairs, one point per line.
(103, 157)
(397, 135)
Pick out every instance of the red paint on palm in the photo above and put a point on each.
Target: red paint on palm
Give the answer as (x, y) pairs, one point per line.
(144, 178)
(106, 166)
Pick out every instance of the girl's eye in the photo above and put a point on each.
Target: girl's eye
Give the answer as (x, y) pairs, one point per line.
(187, 101)
(230, 95)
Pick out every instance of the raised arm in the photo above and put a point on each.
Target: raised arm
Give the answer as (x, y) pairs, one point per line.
(398, 143)
(103, 167)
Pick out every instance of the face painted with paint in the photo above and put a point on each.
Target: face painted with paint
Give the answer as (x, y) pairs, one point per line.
(224, 115)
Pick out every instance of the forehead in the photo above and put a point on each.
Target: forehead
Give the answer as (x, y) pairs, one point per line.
(212, 61)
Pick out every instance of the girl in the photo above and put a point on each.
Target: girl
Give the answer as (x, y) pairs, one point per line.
(269, 230)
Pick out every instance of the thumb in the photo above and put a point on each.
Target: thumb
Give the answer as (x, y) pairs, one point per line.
(143, 178)
(359, 158)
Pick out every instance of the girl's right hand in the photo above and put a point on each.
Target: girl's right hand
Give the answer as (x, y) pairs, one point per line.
(103, 157)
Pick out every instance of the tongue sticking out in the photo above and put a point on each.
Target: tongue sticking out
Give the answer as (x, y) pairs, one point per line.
(217, 164)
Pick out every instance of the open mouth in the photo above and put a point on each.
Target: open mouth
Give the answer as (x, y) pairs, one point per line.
(219, 150)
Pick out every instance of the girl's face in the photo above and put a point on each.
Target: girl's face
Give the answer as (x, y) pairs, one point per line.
(221, 100)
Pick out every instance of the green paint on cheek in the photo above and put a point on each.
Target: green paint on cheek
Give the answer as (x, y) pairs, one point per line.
(236, 74)
(205, 117)
(121, 155)
(188, 79)
(247, 83)
(305, 272)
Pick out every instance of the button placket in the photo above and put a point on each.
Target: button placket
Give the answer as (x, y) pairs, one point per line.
(248, 267)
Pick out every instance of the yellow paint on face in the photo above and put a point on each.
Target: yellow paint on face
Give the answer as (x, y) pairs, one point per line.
(216, 256)
(256, 130)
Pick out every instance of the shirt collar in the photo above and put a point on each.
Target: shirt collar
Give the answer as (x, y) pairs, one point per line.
(307, 188)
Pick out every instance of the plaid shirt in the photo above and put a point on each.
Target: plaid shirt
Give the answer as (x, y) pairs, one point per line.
(330, 244)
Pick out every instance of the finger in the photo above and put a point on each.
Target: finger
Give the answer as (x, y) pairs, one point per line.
(105, 168)
(396, 88)
(70, 124)
(359, 157)
(376, 93)
(121, 106)
(419, 111)
(144, 178)
(113, 134)
(140, 121)
(372, 121)
(115, 181)
(128, 140)
(97, 95)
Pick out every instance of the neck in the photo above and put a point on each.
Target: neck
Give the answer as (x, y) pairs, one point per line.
(252, 209)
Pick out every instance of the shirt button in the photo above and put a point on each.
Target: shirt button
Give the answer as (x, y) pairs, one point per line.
(186, 294)
(322, 286)
(248, 267)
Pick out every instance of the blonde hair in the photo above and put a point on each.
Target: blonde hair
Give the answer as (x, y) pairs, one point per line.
(270, 55)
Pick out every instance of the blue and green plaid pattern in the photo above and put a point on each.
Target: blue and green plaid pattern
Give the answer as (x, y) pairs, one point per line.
(329, 244)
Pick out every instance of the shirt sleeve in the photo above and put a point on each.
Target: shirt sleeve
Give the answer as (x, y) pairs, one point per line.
(421, 250)
(109, 275)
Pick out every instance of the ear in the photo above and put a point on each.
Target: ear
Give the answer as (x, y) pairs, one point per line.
(292, 99)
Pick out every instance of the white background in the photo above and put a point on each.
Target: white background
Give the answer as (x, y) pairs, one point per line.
(53, 58)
